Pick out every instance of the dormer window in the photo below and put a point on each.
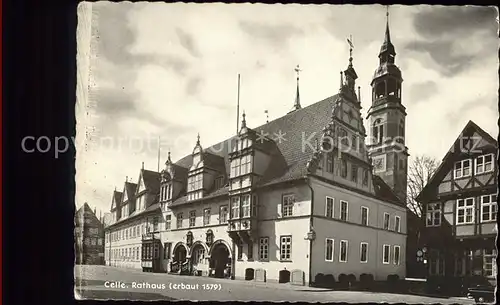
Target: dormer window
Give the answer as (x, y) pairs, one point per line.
(241, 166)
(195, 183)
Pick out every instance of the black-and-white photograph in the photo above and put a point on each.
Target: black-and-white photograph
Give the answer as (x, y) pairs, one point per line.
(286, 152)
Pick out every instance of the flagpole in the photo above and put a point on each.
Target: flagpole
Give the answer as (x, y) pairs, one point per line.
(238, 108)
(159, 148)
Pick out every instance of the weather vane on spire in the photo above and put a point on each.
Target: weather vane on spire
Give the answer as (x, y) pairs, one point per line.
(297, 70)
(351, 47)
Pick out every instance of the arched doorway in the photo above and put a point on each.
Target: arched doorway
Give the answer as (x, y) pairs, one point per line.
(180, 253)
(220, 259)
(198, 253)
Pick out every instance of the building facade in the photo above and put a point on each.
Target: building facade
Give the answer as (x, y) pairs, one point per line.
(89, 237)
(285, 201)
(460, 202)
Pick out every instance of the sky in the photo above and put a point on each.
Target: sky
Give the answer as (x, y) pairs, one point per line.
(154, 75)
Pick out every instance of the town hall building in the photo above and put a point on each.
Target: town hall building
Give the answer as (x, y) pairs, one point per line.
(299, 196)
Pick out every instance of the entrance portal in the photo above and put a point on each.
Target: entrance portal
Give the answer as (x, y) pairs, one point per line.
(180, 254)
(219, 260)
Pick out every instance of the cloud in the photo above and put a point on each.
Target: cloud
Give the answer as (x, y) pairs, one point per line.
(455, 38)
(277, 35)
(422, 91)
(187, 41)
(439, 22)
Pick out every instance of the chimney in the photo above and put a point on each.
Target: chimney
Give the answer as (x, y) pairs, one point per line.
(94, 210)
(142, 165)
(126, 178)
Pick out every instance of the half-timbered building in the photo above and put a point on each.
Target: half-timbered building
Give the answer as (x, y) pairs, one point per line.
(460, 204)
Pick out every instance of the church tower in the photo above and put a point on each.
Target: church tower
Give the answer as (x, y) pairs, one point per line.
(386, 118)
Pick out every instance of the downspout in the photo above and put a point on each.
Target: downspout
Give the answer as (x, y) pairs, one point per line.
(311, 223)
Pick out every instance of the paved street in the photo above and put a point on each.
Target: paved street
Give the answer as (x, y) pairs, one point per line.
(92, 281)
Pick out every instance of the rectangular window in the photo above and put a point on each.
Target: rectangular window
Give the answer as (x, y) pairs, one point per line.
(155, 224)
(223, 214)
(365, 177)
(344, 210)
(354, 173)
(198, 184)
(343, 168)
(386, 254)
(264, 248)
(245, 205)
(206, 217)
(219, 182)
(246, 165)
(166, 250)
(396, 255)
(190, 184)
(433, 214)
(397, 224)
(489, 208)
(462, 168)
(235, 168)
(465, 211)
(343, 251)
(235, 207)
(250, 250)
(168, 222)
(99, 241)
(329, 207)
(489, 264)
(329, 162)
(286, 248)
(363, 256)
(287, 207)
(192, 218)
(329, 249)
(364, 216)
(179, 220)
(484, 164)
(387, 219)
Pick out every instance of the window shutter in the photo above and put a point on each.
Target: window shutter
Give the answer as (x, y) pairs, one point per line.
(280, 205)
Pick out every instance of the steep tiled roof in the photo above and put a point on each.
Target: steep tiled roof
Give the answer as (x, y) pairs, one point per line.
(220, 192)
(289, 158)
(384, 192)
(151, 181)
(130, 189)
(117, 196)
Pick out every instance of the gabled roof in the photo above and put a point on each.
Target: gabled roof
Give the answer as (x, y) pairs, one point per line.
(151, 180)
(117, 199)
(443, 168)
(130, 189)
(85, 212)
